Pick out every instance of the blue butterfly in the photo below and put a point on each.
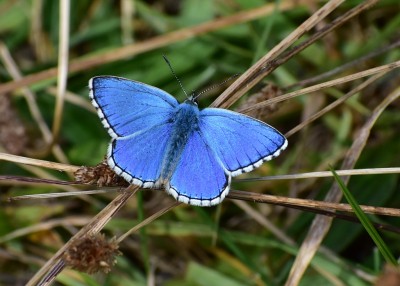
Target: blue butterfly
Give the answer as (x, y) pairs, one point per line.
(193, 154)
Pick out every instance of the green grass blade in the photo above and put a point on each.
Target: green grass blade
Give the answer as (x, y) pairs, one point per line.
(373, 233)
(144, 245)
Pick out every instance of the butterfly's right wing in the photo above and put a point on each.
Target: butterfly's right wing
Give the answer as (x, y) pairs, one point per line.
(137, 117)
(241, 143)
(223, 145)
(138, 158)
(126, 107)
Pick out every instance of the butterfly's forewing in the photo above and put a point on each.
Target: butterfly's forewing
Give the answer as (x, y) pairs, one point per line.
(240, 142)
(126, 107)
(137, 117)
(199, 179)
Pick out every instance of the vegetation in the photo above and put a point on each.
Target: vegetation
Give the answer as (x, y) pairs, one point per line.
(48, 129)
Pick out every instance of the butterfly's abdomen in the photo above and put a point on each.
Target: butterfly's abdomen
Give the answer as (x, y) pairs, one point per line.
(184, 122)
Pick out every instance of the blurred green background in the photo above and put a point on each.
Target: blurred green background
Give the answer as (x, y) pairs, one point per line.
(222, 245)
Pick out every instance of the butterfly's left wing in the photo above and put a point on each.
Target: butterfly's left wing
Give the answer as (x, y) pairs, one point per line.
(138, 118)
(199, 178)
(240, 142)
(126, 107)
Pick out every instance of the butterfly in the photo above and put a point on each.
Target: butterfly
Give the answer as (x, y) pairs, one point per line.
(191, 153)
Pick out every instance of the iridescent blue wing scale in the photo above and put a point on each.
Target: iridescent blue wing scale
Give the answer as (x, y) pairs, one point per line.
(126, 106)
(138, 158)
(137, 117)
(240, 142)
(199, 178)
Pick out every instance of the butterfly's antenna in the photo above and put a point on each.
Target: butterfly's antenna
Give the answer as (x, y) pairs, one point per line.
(217, 85)
(170, 67)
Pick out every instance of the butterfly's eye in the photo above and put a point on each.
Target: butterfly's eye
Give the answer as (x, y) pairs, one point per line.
(192, 99)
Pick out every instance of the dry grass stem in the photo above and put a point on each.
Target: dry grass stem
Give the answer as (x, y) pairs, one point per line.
(88, 62)
(334, 104)
(50, 224)
(149, 220)
(31, 181)
(59, 195)
(73, 99)
(248, 79)
(290, 95)
(62, 75)
(30, 97)
(38, 163)
(310, 150)
(309, 204)
(324, 174)
(127, 13)
(54, 265)
(353, 64)
(264, 222)
(321, 224)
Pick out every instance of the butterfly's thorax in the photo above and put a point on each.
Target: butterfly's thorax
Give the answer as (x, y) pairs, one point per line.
(184, 122)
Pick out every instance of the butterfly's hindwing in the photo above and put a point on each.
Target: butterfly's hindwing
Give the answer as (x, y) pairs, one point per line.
(199, 179)
(139, 158)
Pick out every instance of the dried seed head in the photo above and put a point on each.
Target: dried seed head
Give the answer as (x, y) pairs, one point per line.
(91, 254)
(101, 175)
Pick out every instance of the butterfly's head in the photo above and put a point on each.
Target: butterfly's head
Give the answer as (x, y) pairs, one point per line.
(192, 99)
